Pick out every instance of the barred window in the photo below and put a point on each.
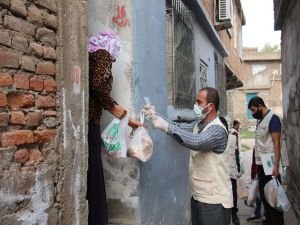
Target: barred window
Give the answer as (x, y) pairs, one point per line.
(180, 50)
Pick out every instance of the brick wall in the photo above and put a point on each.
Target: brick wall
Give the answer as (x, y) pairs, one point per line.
(28, 114)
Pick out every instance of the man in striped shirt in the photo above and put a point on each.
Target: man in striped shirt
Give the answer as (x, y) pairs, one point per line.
(206, 137)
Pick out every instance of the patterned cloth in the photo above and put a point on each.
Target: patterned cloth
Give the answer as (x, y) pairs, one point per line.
(108, 41)
(215, 137)
(100, 84)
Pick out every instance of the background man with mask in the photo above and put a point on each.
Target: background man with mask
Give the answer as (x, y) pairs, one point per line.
(267, 140)
(206, 137)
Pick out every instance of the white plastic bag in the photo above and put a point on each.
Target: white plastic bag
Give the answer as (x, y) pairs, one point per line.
(253, 193)
(242, 191)
(113, 138)
(140, 146)
(276, 196)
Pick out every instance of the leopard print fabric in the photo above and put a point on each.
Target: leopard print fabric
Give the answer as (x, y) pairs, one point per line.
(100, 84)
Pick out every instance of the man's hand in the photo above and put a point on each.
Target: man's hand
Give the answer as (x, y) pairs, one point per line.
(239, 175)
(118, 111)
(275, 172)
(149, 111)
(160, 123)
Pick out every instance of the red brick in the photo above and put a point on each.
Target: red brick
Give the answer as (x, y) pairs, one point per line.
(5, 79)
(46, 35)
(36, 49)
(35, 157)
(21, 156)
(20, 43)
(51, 22)
(49, 53)
(45, 101)
(18, 8)
(50, 85)
(8, 59)
(44, 135)
(5, 38)
(17, 24)
(49, 4)
(49, 113)
(18, 100)
(3, 119)
(17, 118)
(17, 137)
(34, 14)
(28, 63)
(3, 100)
(36, 83)
(33, 119)
(46, 68)
(21, 81)
(4, 3)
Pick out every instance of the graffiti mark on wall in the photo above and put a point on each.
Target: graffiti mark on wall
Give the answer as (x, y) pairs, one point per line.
(120, 19)
(75, 78)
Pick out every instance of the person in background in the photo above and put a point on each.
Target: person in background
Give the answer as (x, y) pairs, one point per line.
(233, 151)
(103, 50)
(267, 140)
(206, 138)
(256, 216)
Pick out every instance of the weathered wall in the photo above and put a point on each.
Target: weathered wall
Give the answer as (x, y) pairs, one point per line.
(290, 41)
(73, 95)
(121, 175)
(29, 156)
(164, 188)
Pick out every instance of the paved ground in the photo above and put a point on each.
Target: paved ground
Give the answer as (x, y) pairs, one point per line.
(244, 211)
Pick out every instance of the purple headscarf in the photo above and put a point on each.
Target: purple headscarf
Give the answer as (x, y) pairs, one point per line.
(107, 40)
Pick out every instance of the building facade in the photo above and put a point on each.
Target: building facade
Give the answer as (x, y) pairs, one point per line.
(286, 15)
(261, 76)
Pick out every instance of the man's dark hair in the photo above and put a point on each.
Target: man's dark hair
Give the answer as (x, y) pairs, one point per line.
(256, 101)
(212, 96)
(235, 122)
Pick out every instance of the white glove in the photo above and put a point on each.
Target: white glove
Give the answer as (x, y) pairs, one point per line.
(160, 123)
(149, 111)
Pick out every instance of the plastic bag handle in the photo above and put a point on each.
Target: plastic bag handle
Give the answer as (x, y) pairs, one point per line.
(142, 116)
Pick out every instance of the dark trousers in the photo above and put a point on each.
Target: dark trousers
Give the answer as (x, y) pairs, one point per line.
(273, 216)
(96, 195)
(234, 192)
(209, 214)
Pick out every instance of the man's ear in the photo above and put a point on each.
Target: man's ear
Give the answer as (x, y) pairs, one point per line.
(211, 106)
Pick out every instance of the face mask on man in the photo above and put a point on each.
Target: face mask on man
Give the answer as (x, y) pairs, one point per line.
(258, 114)
(198, 110)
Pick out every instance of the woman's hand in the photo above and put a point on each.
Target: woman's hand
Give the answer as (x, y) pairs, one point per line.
(134, 123)
(118, 111)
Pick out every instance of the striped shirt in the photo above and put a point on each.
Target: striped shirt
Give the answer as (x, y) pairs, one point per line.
(215, 137)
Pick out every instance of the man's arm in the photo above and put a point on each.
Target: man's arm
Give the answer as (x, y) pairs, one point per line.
(215, 138)
(237, 151)
(275, 131)
(186, 126)
(276, 142)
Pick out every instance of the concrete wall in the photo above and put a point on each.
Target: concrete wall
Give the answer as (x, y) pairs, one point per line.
(73, 99)
(290, 41)
(164, 188)
(121, 175)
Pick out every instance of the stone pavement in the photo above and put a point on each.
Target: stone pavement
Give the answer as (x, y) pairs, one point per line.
(244, 211)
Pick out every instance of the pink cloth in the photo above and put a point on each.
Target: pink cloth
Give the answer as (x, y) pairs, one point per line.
(107, 40)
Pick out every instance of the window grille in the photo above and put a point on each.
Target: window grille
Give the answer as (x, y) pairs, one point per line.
(183, 86)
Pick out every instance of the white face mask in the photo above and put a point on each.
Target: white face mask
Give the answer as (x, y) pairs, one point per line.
(198, 110)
